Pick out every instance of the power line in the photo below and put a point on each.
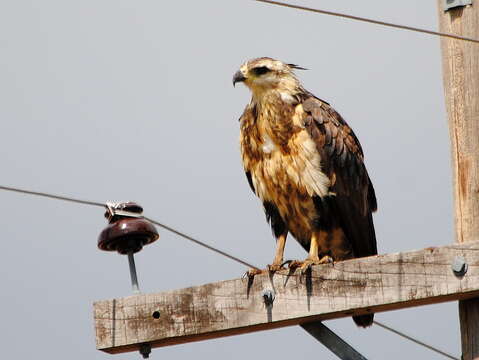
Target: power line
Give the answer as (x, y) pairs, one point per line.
(371, 21)
(410, 338)
(52, 196)
(179, 233)
(198, 242)
(95, 203)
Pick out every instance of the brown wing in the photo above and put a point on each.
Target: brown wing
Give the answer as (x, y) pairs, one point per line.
(247, 127)
(342, 161)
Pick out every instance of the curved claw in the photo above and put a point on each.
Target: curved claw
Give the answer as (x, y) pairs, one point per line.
(306, 266)
(252, 273)
(286, 262)
(275, 267)
(307, 263)
(294, 264)
(326, 260)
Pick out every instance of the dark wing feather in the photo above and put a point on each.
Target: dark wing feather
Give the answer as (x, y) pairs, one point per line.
(250, 181)
(342, 160)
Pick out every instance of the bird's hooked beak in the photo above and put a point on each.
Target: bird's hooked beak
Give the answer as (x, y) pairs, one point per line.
(238, 77)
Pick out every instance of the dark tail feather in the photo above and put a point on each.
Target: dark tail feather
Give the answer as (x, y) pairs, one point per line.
(364, 320)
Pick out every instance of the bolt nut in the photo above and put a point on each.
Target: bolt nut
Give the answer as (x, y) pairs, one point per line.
(459, 266)
(145, 350)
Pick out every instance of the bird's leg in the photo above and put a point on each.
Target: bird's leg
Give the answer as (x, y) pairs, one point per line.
(313, 255)
(317, 239)
(278, 257)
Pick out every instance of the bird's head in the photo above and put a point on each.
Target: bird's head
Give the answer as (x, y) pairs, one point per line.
(264, 74)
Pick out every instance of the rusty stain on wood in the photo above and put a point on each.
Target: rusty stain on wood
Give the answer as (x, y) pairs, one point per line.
(358, 286)
(464, 165)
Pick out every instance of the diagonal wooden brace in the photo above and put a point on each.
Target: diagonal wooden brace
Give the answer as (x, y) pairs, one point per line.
(333, 342)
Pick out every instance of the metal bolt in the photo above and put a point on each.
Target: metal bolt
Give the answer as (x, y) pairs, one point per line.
(459, 266)
(268, 297)
(133, 276)
(145, 350)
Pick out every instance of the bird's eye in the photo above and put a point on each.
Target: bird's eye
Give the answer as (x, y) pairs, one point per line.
(261, 70)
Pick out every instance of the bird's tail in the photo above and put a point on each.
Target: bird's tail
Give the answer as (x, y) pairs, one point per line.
(364, 320)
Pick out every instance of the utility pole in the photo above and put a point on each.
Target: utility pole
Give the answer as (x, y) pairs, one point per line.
(461, 84)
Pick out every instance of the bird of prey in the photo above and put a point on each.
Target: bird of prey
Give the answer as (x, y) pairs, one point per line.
(306, 166)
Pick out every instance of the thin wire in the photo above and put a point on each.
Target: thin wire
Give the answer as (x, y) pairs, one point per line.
(94, 203)
(415, 340)
(371, 21)
(166, 227)
(198, 242)
(52, 196)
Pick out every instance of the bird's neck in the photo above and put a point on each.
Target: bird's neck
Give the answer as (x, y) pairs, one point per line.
(277, 97)
(283, 91)
(273, 118)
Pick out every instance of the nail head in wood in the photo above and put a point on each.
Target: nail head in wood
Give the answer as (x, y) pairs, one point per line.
(156, 314)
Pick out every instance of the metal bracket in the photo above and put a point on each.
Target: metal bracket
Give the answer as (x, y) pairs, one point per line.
(332, 341)
(117, 208)
(449, 4)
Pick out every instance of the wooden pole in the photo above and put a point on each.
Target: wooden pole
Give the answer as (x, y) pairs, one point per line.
(461, 86)
(239, 306)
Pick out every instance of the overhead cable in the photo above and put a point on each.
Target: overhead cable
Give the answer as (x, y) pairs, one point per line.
(410, 338)
(52, 196)
(95, 203)
(371, 21)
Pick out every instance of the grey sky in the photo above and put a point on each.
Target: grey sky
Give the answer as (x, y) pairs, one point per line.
(120, 100)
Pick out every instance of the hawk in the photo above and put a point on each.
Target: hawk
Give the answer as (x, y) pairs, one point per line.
(306, 166)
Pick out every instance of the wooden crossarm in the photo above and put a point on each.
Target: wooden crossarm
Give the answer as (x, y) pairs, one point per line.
(373, 284)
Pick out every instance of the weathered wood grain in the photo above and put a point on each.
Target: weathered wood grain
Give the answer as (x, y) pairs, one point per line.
(461, 87)
(329, 291)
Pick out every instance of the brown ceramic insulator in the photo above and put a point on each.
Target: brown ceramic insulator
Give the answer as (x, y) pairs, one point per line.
(127, 234)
